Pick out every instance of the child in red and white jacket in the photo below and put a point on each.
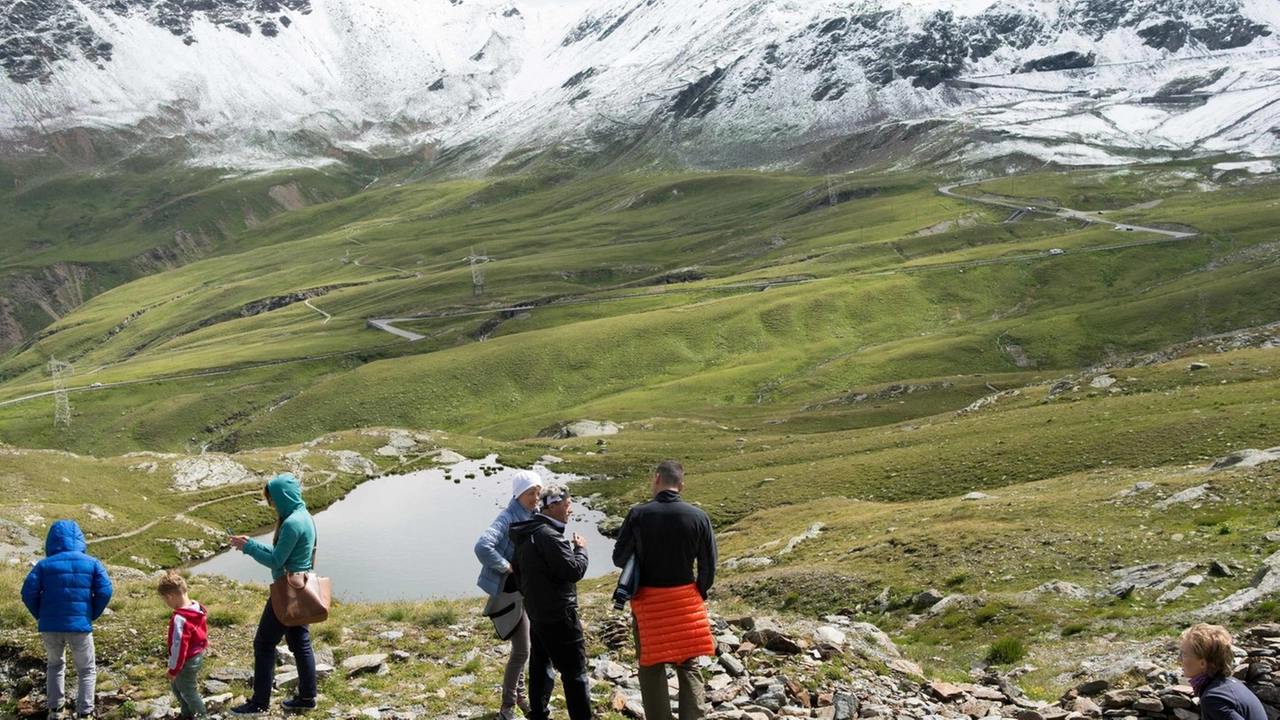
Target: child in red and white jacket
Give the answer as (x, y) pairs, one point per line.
(188, 638)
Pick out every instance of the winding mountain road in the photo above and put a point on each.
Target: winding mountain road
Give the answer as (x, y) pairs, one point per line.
(1069, 214)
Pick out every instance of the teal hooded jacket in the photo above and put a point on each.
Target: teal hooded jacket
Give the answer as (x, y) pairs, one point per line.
(296, 540)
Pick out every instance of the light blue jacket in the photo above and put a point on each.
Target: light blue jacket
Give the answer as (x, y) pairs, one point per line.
(495, 550)
(296, 540)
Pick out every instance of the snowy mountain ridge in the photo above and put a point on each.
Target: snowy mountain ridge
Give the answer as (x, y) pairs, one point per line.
(711, 82)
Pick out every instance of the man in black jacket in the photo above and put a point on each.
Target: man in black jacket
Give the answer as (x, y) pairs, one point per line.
(668, 536)
(548, 567)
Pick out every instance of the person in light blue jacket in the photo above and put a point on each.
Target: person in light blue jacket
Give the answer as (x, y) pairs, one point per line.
(291, 550)
(65, 592)
(495, 551)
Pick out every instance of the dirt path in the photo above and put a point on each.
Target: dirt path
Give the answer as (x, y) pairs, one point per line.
(173, 515)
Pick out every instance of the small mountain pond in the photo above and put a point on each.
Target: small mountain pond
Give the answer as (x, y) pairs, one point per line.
(411, 537)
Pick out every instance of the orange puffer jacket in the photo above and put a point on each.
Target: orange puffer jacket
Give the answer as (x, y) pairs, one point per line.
(673, 624)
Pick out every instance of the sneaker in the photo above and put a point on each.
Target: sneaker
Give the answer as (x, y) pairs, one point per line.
(507, 713)
(522, 702)
(299, 704)
(249, 709)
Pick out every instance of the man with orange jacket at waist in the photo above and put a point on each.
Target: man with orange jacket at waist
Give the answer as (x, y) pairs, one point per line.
(668, 536)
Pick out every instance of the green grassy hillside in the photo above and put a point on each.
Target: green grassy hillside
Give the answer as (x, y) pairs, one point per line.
(717, 297)
(73, 233)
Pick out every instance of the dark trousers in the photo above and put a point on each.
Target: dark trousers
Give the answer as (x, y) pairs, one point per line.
(556, 645)
(270, 632)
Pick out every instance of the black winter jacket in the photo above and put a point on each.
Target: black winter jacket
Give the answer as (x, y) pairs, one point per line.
(547, 567)
(669, 535)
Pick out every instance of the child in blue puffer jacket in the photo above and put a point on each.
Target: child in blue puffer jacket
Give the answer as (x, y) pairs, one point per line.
(66, 592)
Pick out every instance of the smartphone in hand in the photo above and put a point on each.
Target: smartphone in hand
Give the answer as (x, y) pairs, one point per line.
(230, 532)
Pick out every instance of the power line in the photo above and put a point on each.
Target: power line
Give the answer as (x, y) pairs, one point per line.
(60, 371)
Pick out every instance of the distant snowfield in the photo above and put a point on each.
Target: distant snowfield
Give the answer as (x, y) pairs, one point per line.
(496, 76)
(1257, 167)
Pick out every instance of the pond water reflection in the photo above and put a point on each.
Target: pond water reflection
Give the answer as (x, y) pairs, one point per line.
(410, 537)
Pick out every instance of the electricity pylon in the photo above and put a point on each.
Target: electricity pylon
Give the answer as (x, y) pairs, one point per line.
(60, 371)
(477, 271)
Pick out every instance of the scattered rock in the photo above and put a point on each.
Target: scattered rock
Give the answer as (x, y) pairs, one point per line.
(812, 532)
(1065, 589)
(1246, 458)
(448, 457)
(829, 635)
(587, 428)
(1198, 366)
(361, 664)
(774, 641)
(1199, 492)
(1265, 582)
(928, 598)
(209, 470)
(1137, 488)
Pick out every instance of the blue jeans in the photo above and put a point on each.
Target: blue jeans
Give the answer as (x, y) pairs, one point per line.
(81, 645)
(184, 687)
(270, 632)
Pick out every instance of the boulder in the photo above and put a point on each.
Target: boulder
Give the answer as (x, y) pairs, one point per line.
(1199, 492)
(845, 706)
(732, 665)
(770, 639)
(587, 428)
(1266, 581)
(1119, 698)
(1065, 589)
(448, 457)
(1148, 705)
(1246, 458)
(928, 598)
(829, 635)
(1086, 707)
(945, 691)
(362, 664)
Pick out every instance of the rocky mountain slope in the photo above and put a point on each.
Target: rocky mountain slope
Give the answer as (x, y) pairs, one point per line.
(705, 82)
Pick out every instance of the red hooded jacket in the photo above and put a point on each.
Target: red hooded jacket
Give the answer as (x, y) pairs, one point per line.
(188, 635)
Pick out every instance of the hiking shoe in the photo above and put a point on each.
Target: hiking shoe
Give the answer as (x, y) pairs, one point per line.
(299, 704)
(522, 702)
(507, 713)
(249, 709)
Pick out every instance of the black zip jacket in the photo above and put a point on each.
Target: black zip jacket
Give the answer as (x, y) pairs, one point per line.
(547, 567)
(668, 535)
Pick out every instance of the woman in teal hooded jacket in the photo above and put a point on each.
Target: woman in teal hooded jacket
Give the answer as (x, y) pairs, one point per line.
(291, 550)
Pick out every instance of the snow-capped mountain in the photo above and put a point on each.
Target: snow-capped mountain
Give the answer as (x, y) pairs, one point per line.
(727, 82)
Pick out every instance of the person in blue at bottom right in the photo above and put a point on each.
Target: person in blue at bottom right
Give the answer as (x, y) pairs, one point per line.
(1207, 660)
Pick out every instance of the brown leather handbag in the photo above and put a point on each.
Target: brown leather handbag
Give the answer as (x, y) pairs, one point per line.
(301, 598)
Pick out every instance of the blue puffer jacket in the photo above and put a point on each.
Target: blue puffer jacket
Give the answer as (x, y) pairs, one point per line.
(294, 543)
(495, 549)
(67, 590)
